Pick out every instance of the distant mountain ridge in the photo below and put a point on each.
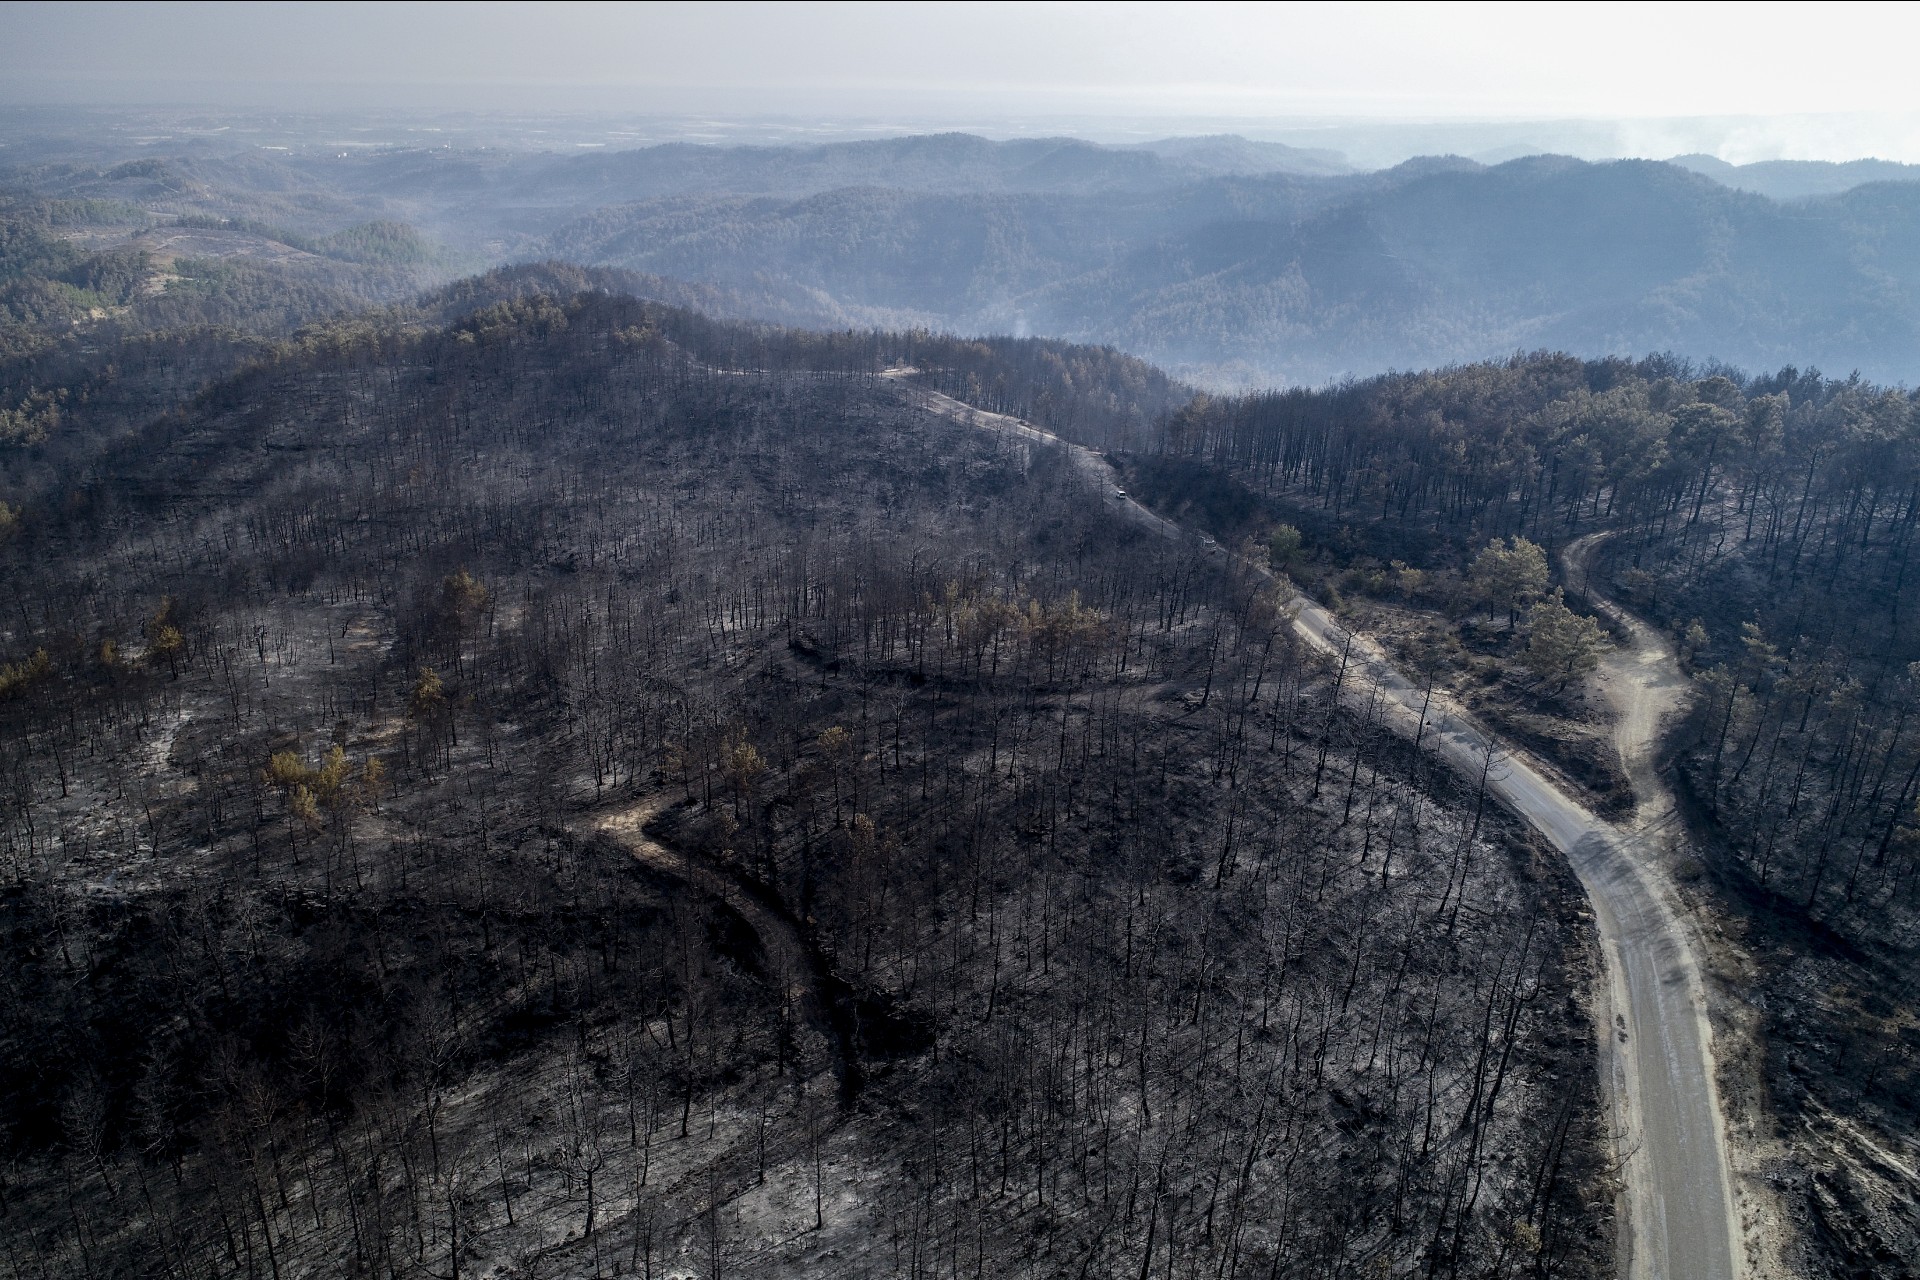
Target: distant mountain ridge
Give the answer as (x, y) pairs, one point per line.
(1233, 261)
(946, 162)
(1798, 179)
(1298, 279)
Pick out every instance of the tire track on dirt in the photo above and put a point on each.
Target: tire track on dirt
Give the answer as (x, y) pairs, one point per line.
(795, 966)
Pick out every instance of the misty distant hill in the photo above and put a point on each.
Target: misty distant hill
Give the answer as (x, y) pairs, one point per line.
(1230, 260)
(1797, 179)
(949, 162)
(1304, 279)
(1227, 153)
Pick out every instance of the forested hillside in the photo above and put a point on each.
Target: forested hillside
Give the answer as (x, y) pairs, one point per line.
(1230, 262)
(1798, 179)
(1768, 522)
(553, 783)
(111, 315)
(1302, 280)
(627, 763)
(64, 261)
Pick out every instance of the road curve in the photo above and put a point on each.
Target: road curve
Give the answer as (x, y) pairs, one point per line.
(796, 970)
(1656, 1055)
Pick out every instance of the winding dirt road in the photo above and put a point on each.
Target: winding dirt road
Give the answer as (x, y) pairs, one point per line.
(1679, 1220)
(1642, 680)
(806, 984)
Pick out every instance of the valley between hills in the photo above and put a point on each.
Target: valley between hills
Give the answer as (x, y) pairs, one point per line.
(560, 716)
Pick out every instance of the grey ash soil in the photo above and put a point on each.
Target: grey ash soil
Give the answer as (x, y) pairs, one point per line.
(1212, 973)
(1658, 1064)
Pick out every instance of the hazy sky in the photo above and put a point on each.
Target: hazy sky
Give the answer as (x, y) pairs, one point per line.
(1487, 61)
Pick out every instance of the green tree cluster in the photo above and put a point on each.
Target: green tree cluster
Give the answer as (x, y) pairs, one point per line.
(1510, 576)
(1561, 642)
(1283, 544)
